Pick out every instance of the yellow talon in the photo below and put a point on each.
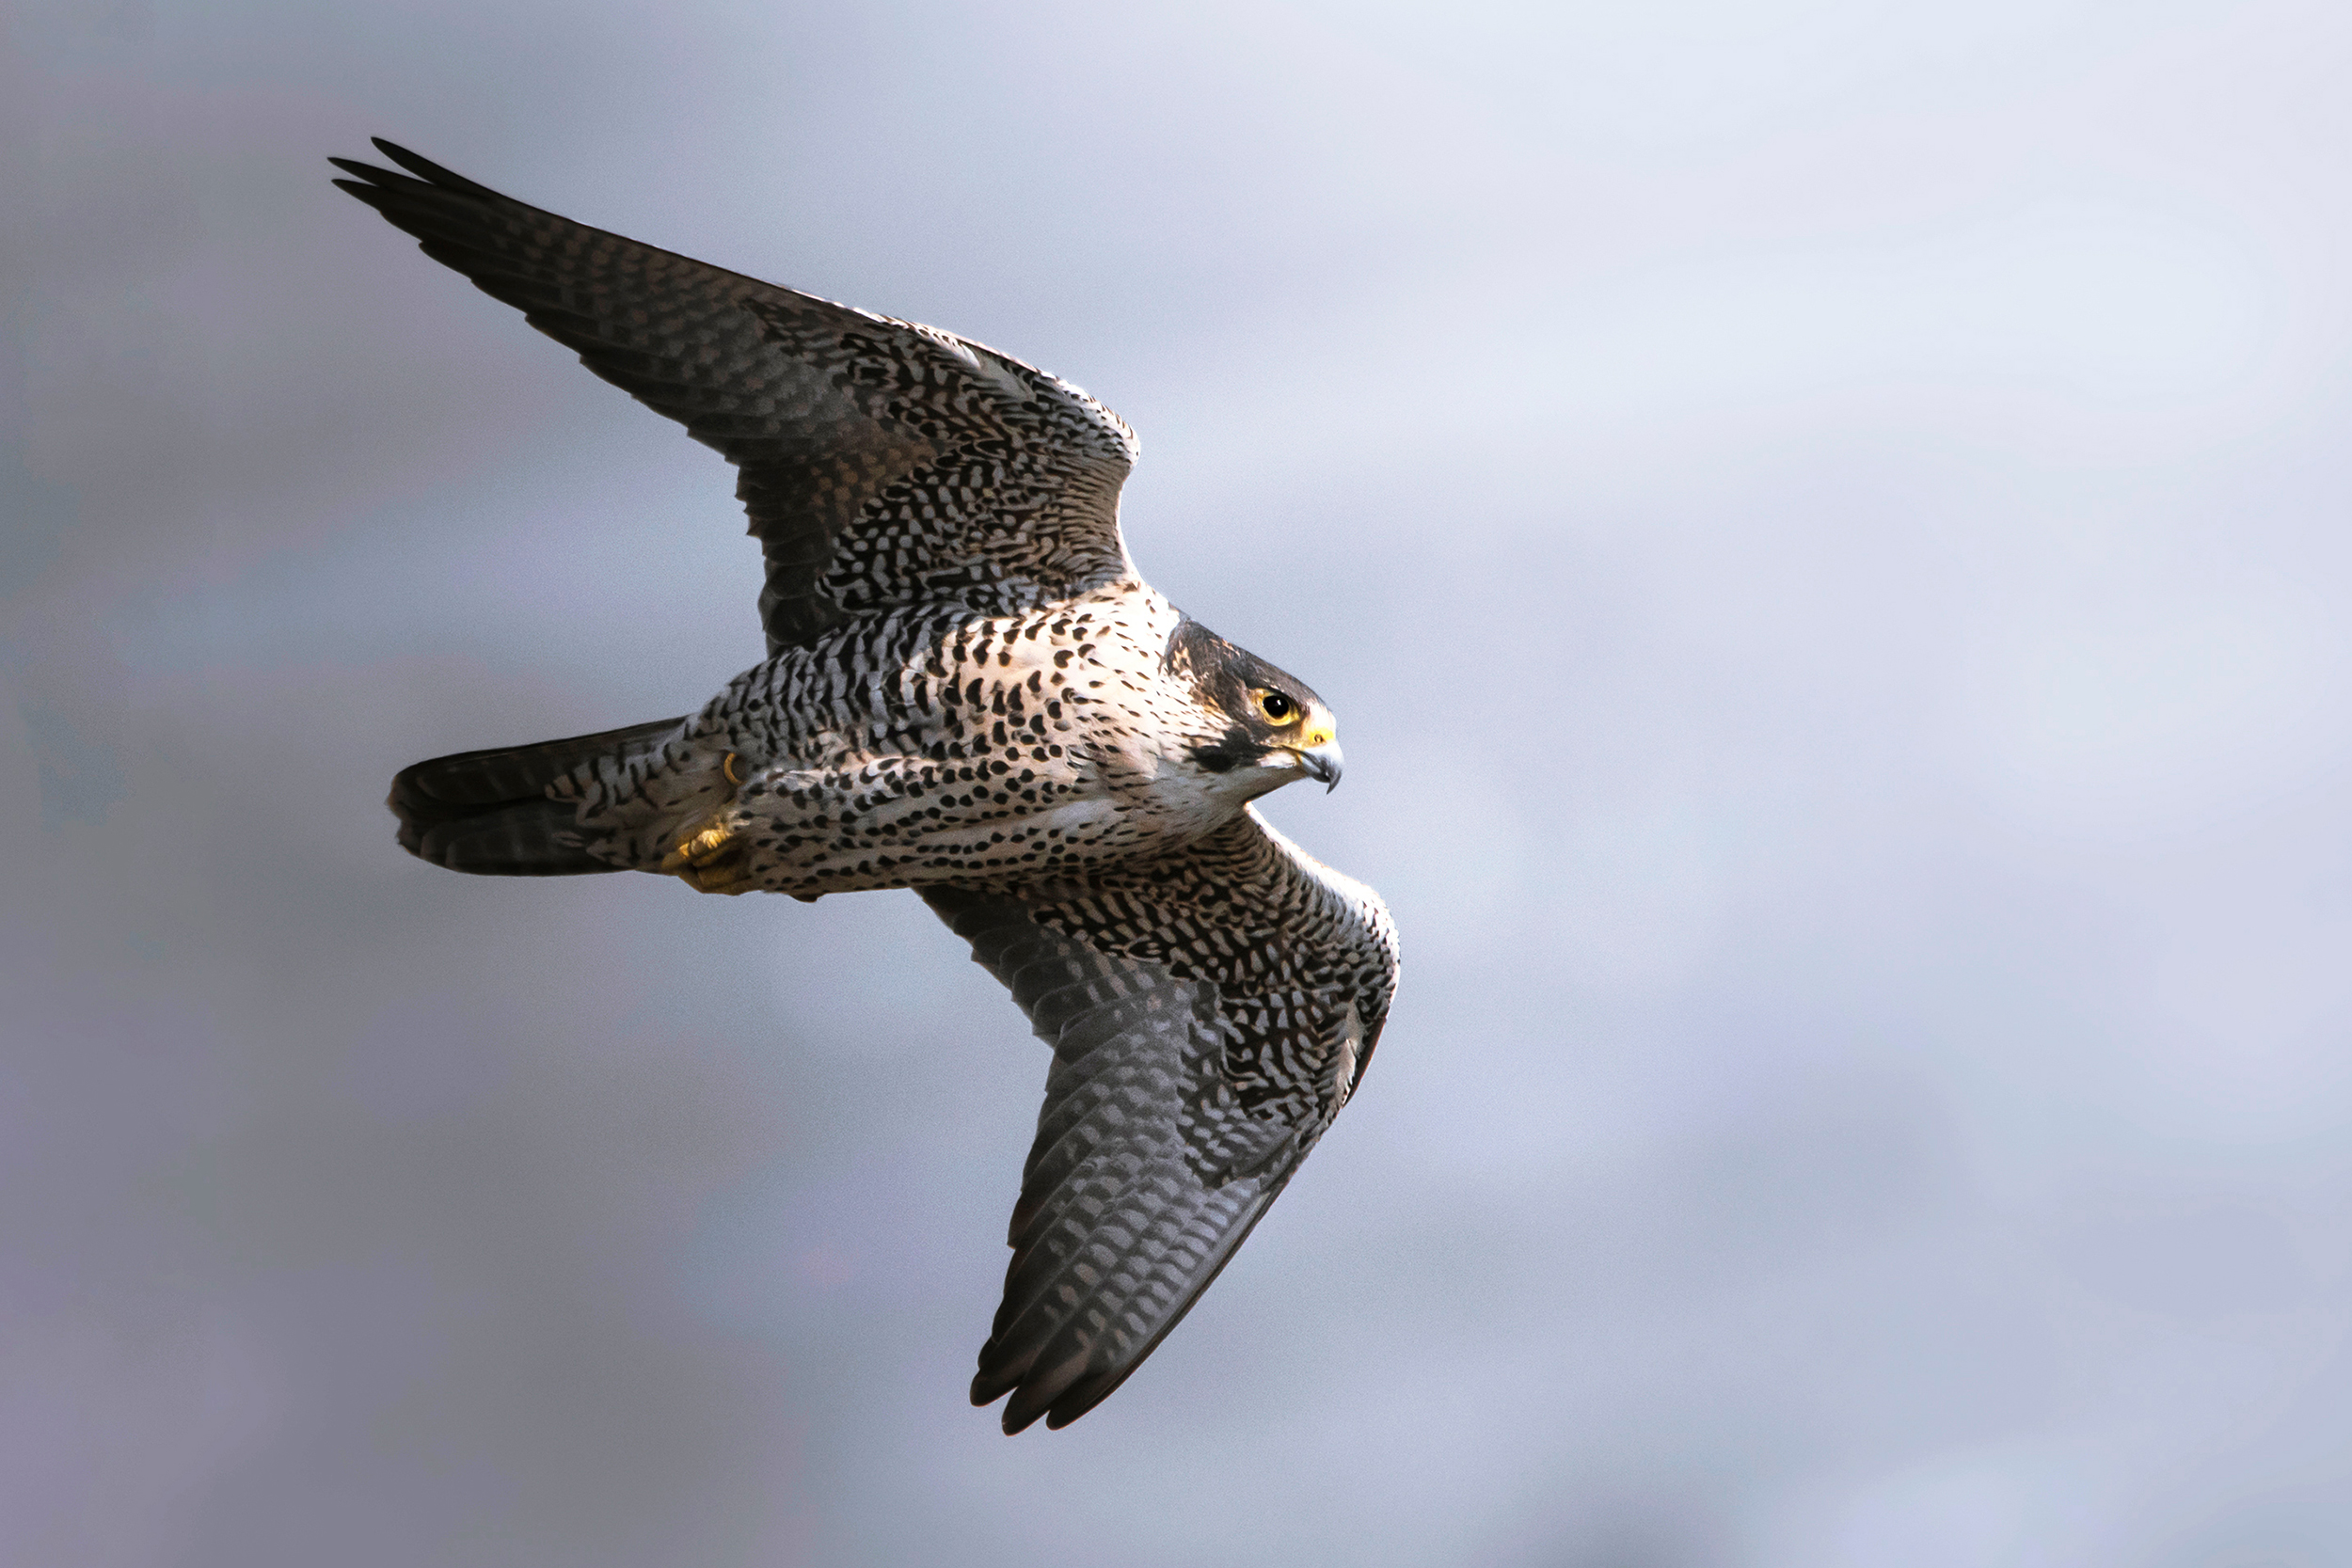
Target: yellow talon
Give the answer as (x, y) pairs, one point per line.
(713, 843)
(711, 859)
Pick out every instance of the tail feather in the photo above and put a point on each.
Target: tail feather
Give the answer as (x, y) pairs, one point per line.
(488, 813)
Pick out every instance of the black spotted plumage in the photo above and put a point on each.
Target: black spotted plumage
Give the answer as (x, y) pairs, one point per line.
(969, 692)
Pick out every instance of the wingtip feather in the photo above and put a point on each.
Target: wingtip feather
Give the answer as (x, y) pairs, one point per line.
(424, 174)
(1039, 1390)
(1083, 1396)
(429, 171)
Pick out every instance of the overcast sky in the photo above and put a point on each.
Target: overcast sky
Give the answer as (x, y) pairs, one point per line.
(1824, 526)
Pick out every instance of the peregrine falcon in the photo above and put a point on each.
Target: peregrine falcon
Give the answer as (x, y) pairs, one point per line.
(969, 692)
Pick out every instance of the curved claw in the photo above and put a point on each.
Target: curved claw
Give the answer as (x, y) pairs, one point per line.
(710, 861)
(711, 857)
(700, 849)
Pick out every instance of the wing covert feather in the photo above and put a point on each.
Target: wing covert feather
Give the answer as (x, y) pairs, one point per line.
(882, 463)
(1184, 1093)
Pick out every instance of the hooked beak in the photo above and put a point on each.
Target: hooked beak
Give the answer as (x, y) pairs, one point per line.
(1322, 761)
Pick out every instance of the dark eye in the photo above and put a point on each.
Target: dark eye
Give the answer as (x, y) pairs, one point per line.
(1275, 706)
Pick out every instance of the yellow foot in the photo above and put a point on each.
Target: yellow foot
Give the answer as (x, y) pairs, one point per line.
(712, 860)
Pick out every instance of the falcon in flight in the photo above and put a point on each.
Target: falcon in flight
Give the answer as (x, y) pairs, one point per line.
(970, 693)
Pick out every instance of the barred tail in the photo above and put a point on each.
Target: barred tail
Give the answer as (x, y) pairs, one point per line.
(488, 813)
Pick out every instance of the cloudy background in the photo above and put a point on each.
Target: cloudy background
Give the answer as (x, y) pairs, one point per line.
(1825, 525)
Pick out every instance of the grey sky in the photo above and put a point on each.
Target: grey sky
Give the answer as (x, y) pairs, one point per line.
(1823, 525)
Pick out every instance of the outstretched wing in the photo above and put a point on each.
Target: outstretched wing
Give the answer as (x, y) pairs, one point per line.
(1210, 1013)
(882, 463)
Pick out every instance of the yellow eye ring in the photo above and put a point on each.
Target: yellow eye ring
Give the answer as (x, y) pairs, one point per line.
(1276, 706)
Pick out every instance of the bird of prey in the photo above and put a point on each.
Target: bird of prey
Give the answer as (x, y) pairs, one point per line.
(969, 692)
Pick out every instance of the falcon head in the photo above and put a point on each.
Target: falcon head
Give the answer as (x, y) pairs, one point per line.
(1260, 721)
